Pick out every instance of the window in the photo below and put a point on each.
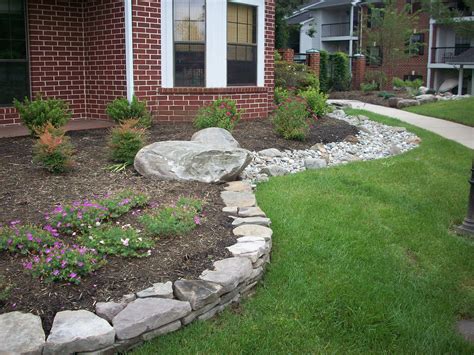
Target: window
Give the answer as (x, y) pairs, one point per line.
(189, 42)
(416, 44)
(241, 44)
(413, 6)
(374, 56)
(13, 52)
(412, 77)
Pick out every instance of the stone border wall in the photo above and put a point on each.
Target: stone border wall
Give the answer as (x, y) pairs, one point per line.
(162, 308)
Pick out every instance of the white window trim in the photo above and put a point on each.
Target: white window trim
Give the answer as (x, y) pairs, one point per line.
(216, 42)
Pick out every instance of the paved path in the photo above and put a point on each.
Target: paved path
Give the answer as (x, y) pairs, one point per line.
(450, 130)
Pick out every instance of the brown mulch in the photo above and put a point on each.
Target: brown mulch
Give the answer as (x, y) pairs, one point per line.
(370, 97)
(27, 192)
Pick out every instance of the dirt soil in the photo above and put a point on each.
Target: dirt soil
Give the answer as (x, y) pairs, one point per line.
(369, 97)
(27, 192)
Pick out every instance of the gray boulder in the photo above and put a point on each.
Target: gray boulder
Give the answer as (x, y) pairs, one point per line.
(215, 136)
(108, 310)
(191, 161)
(198, 293)
(426, 98)
(161, 290)
(274, 170)
(407, 103)
(312, 163)
(21, 333)
(271, 153)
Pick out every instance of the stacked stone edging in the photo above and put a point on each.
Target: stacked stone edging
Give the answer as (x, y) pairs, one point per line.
(162, 308)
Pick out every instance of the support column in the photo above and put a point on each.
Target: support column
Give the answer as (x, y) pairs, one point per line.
(312, 61)
(129, 49)
(358, 71)
(461, 75)
(287, 54)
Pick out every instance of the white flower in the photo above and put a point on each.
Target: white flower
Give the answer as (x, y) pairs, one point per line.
(139, 231)
(148, 252)
(73, 234)
(140, 239)
(117, 222)
(82, 224)
(97, 224)
(101, 242)
(89, 227)
(91, 238)
(125, 241)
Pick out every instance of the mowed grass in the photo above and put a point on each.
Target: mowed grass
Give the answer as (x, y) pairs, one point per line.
(364, 262)
(460, 111)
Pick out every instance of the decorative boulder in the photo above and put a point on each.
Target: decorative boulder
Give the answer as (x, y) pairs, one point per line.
(426, 98)
(407, 103)
(191, 161)
(215, 136)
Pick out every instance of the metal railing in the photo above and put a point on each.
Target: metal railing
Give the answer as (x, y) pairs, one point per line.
(440, 55)
(335, 29)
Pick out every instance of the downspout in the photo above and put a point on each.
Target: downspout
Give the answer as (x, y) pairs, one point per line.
(129, 49)
(430, 50)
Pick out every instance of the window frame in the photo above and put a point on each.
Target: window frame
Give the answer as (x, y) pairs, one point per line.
(27, 60)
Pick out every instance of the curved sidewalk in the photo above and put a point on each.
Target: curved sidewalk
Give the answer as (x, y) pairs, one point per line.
(450, 130)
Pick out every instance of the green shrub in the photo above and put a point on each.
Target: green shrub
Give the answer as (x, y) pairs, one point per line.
(316, 102)
(291, 120)
(125, 141)
(281, 95)
(167, 221)
(340, 78)
(24, 239)
(368, 87)
(411, 86)
(118, 240)
(385, 95)
(376, 77)
(222, 113)
(53, 150)
(294, 76)
(36, 114)
(119, 204)
(121, 110)
(277, 56)
(324, 80)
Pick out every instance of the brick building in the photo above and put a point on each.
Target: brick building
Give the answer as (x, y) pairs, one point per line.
(176, 55)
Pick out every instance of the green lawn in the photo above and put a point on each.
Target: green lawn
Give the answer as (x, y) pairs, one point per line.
(363, 262)
(460, 111)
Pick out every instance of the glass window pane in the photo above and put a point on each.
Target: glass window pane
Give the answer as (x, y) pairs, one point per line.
(3, 6)
(242, 14)
(13, 82)
(4, 27)
(232, 32)
(18, 50)
(242, 33)
(242, 70)
(232, 13)
(181, 31)
(197, 10)
(16, 6)
(189, 65)
(181, 10)
(5, 49)
(17, 27)
(197, 31)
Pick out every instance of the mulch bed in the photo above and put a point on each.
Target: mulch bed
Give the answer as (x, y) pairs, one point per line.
(370, 97)
(27, 192)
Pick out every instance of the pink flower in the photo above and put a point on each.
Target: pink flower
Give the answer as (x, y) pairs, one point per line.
(72, 275)
(28, 265)
(228, 113)
(197, 220)
(56, 272)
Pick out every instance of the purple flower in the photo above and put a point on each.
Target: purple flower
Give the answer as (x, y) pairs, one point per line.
(197, 220)
(56, 272)
(12, 223)
(28, 265)
(72, 275)
(80, 264)
(29, 236)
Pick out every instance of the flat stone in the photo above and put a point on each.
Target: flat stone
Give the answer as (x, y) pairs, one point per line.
(21, 333)
(238, 199)
(249, 249)
(194, 314)
(76, 331)
(172, 327)
(228, 273)
(161, 290)
(250, 212)
(146, 314)
(215, 136)
(128, 298)
(108, 310)
(271, 153)
(230, 210)
(261, 221)
(211, 313)
(238, 186)
(197, 292)
(253, 230)
(466, 329)
(312, 163)
(407, 103)
(274, 170)
(256, 275)
(229, 296)
(265, 259)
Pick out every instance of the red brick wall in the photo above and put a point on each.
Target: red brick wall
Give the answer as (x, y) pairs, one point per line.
(358, 71)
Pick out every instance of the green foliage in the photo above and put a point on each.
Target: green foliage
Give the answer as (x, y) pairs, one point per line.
(120, 110)
(376, 77)
(412, 86)
(118, 240)
(453, 16)
(277, 56)
(324, 80)
(36, 114)
(294, 76)
(281, 95)
(177, 220)
(53, 150)
(222, 113)
(291, 120)
(368, 87)
(126, 140)
(340, 78)
(316, 102)
(385, 95)
(23, 239)
(119, 204)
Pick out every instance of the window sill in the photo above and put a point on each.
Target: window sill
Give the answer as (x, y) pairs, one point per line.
(227, 90)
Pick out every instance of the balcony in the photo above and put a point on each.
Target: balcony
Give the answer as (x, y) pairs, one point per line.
(341, 29)
(441, 55)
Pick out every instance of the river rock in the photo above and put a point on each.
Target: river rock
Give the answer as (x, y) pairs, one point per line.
(274, 170)
(271, 153)
(21, 333)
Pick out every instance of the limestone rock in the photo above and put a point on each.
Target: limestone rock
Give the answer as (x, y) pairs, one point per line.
(253, 230)
(191, 161)
(21, 333)
(194, 314)
(161, 290)
(108, 310)
(146, 314)
(250, 212)
(426, 98)
(238, 199)
(230, 210)
(311, 163)
(407, 103)
(252, 249)
(228, 273)
(238, 186)
(262, 221)
(271, 153)
(198, 293)
(393, 101)
(172, 327)
(215, 136)
(76, 331)
(274, 170)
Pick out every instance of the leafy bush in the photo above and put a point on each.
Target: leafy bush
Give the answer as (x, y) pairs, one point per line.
(121, 110)
(377, 77)
(294, 76)
(121, 203)
(277, 56)
(324, 80)
(291, 120)
(63, 263)
(385, 95)
(222, 113)
(125, 141)
(115, 240)
(24, 239)
(412, 86)
(316, 102)
(36, 114)
(281, 95)
(166, 221)
(341, 78)
(53, 150)
(368, 87)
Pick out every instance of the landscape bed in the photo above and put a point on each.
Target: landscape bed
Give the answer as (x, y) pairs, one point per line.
(28, 192)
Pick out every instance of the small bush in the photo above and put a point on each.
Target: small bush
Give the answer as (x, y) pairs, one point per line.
(167, 221)
(281, 95)
(341, 78)
(121, 203)
(125, 141)
(291, 120)
(53, 150)
(324, 80)
(385, 95)
(121, 110)
(222, 113)
(294, 76)
(377, 77)
(368, 87)
(412, 86)
(316, 102)
(115, 240)
(23, 239)
(36, 114)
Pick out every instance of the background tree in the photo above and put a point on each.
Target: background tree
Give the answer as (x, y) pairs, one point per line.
(284, 8)
(440, 10)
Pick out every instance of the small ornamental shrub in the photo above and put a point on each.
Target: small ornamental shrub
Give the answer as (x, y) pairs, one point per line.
(368, 87)
(166, 221)
(63, 263)
(324, 80)
(118, 240)
(340, 78)
(291, 120)
(36, 114)
(281, 95)
(222, 113)
(53, 150)
(24, 239)
(121, 203)
(294, 76)
(121, 110)
(377, 77)
(385, 95)
(125, 141)
(316, 102)
(411, 86)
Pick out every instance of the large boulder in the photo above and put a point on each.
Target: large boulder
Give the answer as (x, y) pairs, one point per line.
(407, 103)
(21, 333)
(191, 161)
(215, 136)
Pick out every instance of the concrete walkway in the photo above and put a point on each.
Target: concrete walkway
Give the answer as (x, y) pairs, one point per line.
(450, 130)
